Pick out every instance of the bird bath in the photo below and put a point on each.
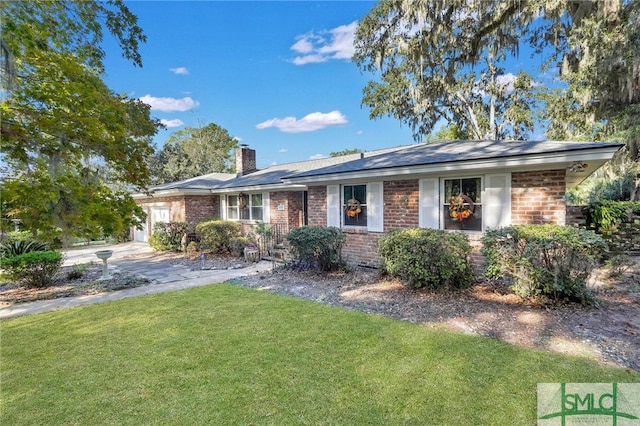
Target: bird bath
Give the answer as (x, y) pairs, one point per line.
(104, 255)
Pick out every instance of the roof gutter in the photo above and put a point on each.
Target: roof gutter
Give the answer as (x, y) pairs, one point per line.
(257, 188)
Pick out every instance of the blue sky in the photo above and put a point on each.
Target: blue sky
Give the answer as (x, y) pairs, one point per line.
(276, 75)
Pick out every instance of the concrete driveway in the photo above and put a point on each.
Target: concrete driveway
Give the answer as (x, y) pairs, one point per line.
(86, 254)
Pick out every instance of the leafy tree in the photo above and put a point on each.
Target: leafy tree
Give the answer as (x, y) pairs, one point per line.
(597, 45)
(194, 151)
(346, 152)
(435, 58)
(441, 61)
(453, 132)
(61, 125)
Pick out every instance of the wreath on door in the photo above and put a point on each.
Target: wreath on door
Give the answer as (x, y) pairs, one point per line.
(353, 208)
(461, 207)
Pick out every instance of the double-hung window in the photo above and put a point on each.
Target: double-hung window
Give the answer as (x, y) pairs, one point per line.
(462, 204)
(354, 205)
(245, 207)
(466, 204)
(359, 207)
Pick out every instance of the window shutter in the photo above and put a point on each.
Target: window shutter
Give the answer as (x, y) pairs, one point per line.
(334, 209)
(223, 207)
(266, 208)
(375, 207)
(496, 203)
(429, 213)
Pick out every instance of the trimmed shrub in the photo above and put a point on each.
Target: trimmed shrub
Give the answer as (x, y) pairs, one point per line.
(544, 262)
(430, 258)
(33, 269)
(216, 236)
(317, 247)
(18, 247)
(168, 236)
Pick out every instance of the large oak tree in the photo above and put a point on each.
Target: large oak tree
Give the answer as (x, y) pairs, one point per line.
(443, 60)
(62, 127)
(439, 61)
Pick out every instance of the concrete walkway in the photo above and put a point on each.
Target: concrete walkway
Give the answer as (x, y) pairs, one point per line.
(131, 257)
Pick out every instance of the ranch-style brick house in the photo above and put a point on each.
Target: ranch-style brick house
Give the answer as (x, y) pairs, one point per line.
(248, 196)
(459, 185)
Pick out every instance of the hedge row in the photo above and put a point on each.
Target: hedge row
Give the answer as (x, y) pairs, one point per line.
(545, 262)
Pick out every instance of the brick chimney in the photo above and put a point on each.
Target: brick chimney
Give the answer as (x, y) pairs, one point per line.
(245, 160)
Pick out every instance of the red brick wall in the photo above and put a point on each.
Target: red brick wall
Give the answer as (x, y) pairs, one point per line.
(201, 207)
(317, 205)
(361, 247)
(538, 197)
(401, 204)
(278, 216)
(191, 208)
(293, 205)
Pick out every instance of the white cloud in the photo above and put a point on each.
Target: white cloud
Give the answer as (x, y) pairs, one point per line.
(325, 45)
(317, 157)
(176, 122)
(303, 45)
(310, 59)
(283, 150)
(309, 123)
(170, 104)
(180, 70)
(506, 81)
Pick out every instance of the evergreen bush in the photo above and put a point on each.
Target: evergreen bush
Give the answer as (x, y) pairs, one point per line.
(430, 258)
(544, 262)
(34, 268)
(317, 247)
(217, 236)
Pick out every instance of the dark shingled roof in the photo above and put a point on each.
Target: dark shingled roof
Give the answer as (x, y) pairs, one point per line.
(273, 175)
(403, 156)
(453, 151)
(199, 182)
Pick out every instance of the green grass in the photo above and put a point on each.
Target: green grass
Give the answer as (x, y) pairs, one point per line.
(227, 355)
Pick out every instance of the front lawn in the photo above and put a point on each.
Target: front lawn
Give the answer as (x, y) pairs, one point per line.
(222, 354)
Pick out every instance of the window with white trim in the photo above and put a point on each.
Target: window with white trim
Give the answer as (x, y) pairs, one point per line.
(354, 205)
(245, 207)
(462, 204)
